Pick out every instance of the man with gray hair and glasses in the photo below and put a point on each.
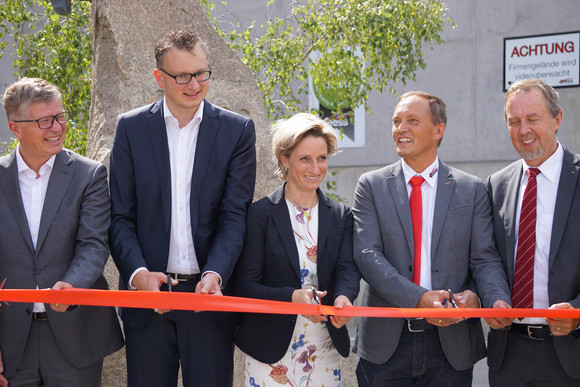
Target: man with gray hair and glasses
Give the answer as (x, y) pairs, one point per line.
(54, 216)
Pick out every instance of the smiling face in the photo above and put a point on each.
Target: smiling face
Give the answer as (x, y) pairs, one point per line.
(38, 145)
(307, 165)
(532, 127)
(183, 100)
(416, 136)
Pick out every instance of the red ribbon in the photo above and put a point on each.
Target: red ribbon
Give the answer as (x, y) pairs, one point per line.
(204, 302)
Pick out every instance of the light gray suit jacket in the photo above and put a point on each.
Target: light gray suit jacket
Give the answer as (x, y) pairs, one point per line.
(462, 252)
(71, 246)
(564, 259)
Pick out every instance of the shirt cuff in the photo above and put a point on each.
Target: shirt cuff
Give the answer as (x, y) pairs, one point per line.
(130, 284)
(209, 271)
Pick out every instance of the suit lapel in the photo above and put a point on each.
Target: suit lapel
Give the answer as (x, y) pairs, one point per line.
(60, 178)
(11, 189)
(398, 189)
(445, 187)
(566, 191)
(284, 227)
(158, 133)
(511, 207)
(208, 130)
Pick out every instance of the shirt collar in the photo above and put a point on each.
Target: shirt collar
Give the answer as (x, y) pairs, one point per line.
(551, 167)
(22, 166)
(429, 174)
(197, 117)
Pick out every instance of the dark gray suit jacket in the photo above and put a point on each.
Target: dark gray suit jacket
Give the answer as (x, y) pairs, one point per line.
(462, 252)
(564, 259)
(71, 247)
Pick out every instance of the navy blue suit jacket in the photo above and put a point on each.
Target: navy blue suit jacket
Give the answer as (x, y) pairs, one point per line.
(222, 188)
(269, 269)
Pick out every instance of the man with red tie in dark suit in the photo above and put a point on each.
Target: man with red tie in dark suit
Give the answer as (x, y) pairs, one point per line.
(182, 177)
(536, 216)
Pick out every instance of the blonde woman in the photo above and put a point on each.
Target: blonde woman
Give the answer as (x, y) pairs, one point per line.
(298, 248)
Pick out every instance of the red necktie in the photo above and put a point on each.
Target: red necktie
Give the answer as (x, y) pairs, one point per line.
(523, 290)
(416, 203)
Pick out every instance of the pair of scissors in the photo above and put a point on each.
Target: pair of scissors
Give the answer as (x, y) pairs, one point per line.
(169, 285)
(316, 297)
(451, 300)
(169, 288)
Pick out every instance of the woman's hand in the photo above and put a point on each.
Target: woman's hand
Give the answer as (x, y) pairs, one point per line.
(340, 302)
(305, 296)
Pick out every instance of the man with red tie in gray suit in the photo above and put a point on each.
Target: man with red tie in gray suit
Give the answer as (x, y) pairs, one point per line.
(421, 254)
(536, 216)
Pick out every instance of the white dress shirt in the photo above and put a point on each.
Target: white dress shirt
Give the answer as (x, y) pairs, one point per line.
(33, 191)
(182, 144)
(428, 193)
(548, 181)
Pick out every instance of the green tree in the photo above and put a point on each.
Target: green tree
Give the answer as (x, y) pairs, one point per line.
(360, 45)
(56, 48)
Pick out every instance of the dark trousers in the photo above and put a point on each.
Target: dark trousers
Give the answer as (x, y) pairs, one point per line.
(196, 341)
(530, 363)
(418, 360)
(43, 364)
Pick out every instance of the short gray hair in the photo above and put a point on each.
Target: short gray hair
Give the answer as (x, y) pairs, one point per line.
(25, 92)
(525, 85)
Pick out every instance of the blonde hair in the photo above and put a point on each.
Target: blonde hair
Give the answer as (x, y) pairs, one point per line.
(290, 131)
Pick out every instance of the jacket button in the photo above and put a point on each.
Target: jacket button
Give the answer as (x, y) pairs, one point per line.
(37, 271)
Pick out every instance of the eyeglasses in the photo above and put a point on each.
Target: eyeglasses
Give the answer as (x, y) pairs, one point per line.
(48, 121)
(184, 79)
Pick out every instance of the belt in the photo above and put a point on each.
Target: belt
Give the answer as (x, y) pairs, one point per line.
(40, 316)
(417, 325)
(185, 277)
(534, 332)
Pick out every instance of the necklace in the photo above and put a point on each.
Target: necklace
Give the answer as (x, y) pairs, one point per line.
(297, 204)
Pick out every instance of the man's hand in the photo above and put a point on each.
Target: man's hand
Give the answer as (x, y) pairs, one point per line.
(3, 380)
(58, 286)
(499, 322)
(467, 299)
(562, 326)
(151, 281)
(209, 284)
(340, 302)
(305, 296)
(434, 299)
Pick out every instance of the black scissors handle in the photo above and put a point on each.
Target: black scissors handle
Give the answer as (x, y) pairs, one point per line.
(452, 299)
(169, 285)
